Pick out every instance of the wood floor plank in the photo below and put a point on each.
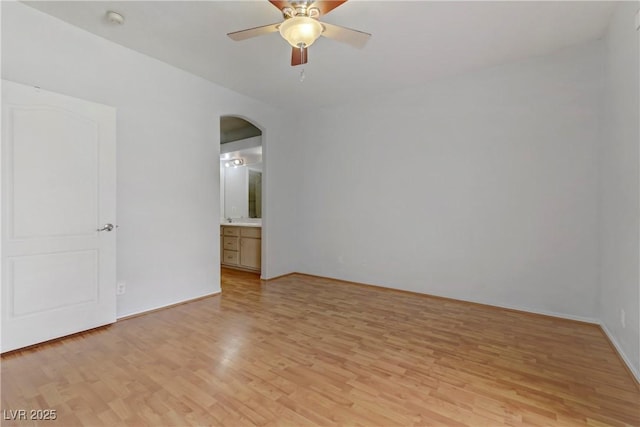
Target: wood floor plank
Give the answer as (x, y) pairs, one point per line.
(308, 351)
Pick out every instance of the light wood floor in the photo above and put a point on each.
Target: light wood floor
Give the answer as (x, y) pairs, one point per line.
(303, 351)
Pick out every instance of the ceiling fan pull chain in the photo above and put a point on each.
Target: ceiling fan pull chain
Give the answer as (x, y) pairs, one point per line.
(302, 76)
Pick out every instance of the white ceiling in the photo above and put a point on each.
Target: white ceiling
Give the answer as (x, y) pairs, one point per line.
(412, 42)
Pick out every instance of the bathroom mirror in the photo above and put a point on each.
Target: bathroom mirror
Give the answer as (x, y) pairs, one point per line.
(241, 183)
(242, 190)
(240, 169)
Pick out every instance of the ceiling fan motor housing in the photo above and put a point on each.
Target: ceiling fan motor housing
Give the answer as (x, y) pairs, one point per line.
(300, 10)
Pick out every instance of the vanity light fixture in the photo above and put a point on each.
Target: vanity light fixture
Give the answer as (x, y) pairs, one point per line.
(234, 162)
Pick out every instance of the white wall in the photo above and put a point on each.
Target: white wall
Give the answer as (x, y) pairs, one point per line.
(168, 148)
(492, 196)
(222, 192)
(620, 187)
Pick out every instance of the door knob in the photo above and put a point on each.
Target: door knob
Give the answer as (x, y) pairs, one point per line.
(107, 227)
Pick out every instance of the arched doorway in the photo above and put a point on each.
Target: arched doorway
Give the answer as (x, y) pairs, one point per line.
(241, 194)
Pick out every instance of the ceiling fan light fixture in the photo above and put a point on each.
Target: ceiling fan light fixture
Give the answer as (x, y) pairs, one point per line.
(301, 30)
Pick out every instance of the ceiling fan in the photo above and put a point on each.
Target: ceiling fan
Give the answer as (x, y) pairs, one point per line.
(301, 27)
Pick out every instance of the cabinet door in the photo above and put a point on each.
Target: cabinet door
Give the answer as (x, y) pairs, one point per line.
(250, 252)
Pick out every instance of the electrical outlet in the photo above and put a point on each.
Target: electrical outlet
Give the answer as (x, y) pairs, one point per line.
(623, 320)
(121, 288)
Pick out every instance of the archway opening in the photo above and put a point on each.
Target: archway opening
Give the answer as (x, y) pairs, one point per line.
(241, 194)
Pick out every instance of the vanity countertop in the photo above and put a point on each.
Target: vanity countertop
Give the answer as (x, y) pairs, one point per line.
(241, 224)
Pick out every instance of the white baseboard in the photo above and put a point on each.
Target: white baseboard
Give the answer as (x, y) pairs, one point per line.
(583, 319)
(160, 307)
(544, 312)
(621, 352)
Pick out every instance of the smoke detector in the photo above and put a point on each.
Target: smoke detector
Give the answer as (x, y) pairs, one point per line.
(114, 18)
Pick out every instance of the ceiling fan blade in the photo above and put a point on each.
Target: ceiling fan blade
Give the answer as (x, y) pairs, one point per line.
(280, 4)
(346, 35)
(325, 6)
(253, 32)
(299, 56)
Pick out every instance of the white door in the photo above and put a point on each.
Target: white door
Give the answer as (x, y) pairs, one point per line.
(58, 189)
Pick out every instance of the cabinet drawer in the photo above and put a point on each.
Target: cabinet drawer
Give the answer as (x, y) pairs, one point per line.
(231, 231)
(230, 257)
(230, 243)
(251, 232)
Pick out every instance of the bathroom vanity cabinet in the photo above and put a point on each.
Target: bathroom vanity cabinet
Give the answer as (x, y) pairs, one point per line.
(240, 247)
